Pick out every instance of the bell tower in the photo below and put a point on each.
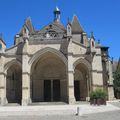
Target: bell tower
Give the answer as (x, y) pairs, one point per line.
(57, 14)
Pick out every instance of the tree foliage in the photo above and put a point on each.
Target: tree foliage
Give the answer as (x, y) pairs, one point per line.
(116, 80)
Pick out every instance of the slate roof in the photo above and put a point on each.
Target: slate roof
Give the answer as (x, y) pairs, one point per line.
(60, 25)
(76, 27)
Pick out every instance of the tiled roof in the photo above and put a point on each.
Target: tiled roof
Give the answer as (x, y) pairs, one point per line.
(60, 25)
(76, 27)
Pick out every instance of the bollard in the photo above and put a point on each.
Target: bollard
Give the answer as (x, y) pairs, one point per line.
(79, 111)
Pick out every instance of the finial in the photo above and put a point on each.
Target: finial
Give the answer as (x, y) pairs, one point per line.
(69, 21)
(57, 14)
(57, 9)
(112, 59)
(92, 35)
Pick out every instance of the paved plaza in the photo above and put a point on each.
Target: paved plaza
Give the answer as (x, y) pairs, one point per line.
(61, 112)
(99, 116)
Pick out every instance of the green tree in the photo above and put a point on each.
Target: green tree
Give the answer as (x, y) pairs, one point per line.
(116, 82)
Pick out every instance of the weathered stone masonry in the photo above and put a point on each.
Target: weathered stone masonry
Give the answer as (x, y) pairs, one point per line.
(53, 64)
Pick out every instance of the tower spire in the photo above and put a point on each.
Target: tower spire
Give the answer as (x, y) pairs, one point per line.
(57, 14)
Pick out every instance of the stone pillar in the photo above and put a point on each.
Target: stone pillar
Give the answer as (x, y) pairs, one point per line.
(110, 93)
(26, 95)
(88, 87)
(3, 99)
(71, 97)
(26, 99)
(70, 69)
(97, 70)
(110, 81)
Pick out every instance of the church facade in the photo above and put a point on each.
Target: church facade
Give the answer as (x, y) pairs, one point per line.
(53, 64)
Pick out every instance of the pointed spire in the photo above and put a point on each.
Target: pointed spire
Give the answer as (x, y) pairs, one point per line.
(112, 60)
(92, 35)
(57, 14)
(76, 27)
(28, 24)
(1, 38)
(69, 21)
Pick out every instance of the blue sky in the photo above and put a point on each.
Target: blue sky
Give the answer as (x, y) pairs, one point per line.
(100, 16)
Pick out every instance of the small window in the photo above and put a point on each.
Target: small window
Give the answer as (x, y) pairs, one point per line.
(92, 44)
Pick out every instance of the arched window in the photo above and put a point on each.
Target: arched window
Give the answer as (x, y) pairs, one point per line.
(92, 43)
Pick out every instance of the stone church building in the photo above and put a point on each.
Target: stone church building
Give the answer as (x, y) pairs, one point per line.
(53, 64)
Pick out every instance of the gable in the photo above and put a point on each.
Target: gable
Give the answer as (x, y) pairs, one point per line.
(52, 27)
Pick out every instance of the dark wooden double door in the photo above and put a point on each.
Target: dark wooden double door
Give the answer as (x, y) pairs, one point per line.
(77, 90)
(51, 90)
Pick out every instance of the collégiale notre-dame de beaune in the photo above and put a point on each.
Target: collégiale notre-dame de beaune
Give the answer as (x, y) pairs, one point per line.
(53, 64)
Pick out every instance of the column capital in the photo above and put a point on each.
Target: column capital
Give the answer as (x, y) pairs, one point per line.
(26, 73)
(71, 71)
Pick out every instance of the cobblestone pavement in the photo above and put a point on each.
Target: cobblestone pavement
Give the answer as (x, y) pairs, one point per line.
(99, 116)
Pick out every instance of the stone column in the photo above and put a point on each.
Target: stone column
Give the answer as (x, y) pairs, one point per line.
(26, 95)
(87, 98)
(71, 97)
(3, 89)
(97, 70)
(110, 81)
(3, 99)
(26, 99)
(70, 70)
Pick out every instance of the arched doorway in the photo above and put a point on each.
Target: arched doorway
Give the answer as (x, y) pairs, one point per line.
(81, 82)
(48, 79)
(14, 84)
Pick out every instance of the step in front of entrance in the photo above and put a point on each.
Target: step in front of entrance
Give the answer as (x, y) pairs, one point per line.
(47, 103)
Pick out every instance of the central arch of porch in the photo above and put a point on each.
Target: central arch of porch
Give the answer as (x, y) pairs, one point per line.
(48, 76)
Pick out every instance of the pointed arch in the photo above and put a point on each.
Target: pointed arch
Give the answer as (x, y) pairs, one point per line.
(82, 77)
(48, 65)
(84, 62)
(45, 50)
(13, 71)
(10, 63)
